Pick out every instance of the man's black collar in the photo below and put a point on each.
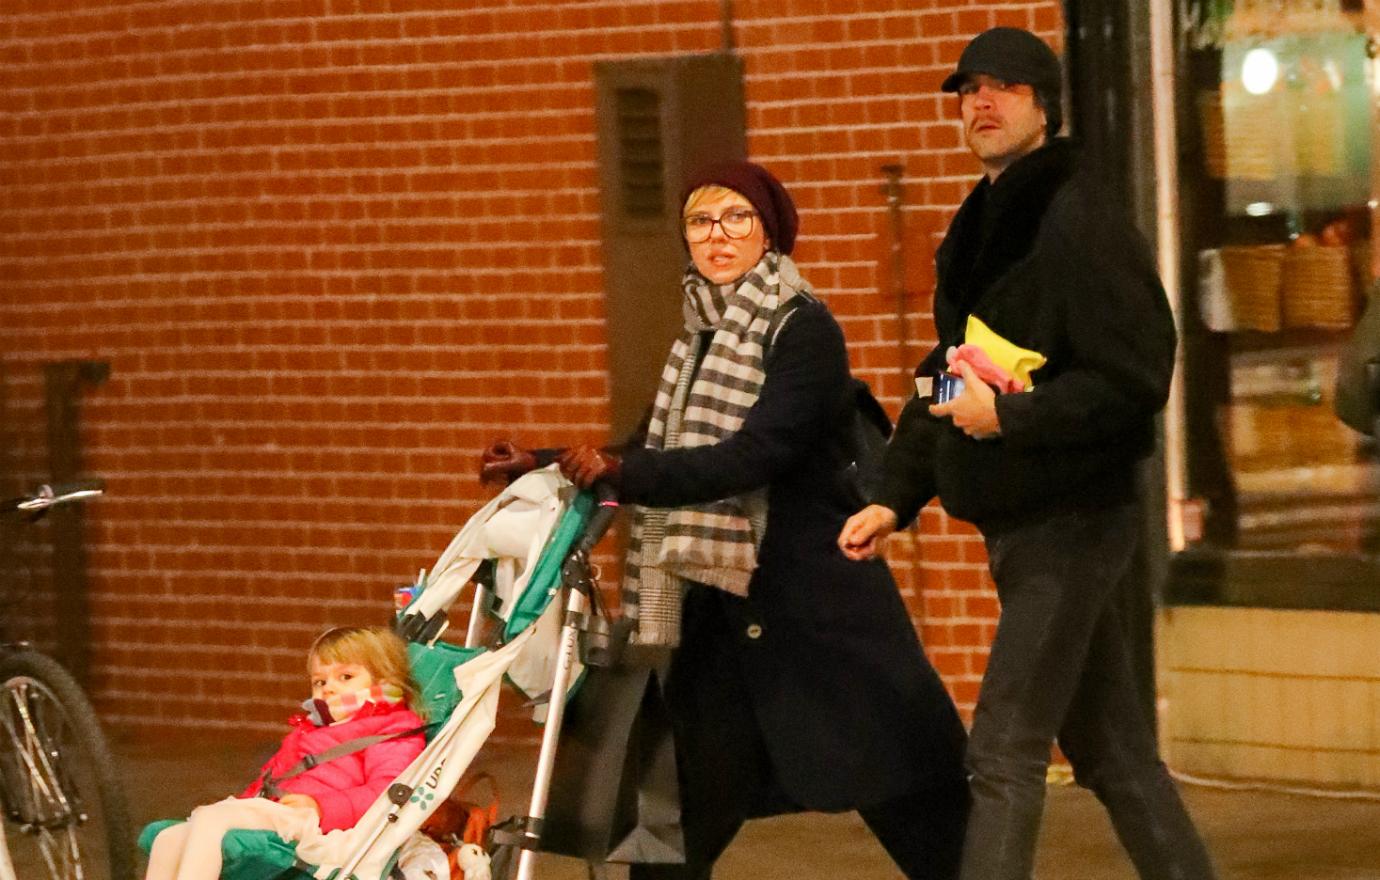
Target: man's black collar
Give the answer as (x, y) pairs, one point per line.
(1056, 159)
(996, 227)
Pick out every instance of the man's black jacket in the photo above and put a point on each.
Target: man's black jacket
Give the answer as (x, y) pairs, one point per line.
(1043, 259)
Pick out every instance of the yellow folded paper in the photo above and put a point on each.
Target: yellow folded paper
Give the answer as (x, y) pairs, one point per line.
(1019, 362)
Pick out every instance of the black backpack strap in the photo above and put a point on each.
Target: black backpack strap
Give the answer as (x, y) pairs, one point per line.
(339, 750)
(870, 409)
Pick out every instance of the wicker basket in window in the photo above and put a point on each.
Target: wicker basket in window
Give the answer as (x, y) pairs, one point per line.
(1211, 118)
(1318, 437)
(1317, 289)
(1267, 437)
(1318, 129)
(1271, 436)
(1241, 135)
(1252, 275)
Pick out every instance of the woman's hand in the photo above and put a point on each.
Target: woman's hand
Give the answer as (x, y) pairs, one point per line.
(863, 534)
(586, 465)
(301, 802)
(503, 462)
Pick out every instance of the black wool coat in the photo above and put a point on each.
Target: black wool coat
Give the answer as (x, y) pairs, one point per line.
(821, 659)
(1046, 261)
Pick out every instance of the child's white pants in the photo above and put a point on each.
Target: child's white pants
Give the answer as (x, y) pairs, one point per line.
(191, 849)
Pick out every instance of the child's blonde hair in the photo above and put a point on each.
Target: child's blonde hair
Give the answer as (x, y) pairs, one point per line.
(376, 648)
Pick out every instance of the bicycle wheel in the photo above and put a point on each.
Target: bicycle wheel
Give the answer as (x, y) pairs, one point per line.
(65, 810)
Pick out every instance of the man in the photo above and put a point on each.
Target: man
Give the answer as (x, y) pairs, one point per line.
(1048, 292)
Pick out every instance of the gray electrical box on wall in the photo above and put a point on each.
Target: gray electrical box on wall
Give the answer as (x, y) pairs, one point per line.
(659, 119)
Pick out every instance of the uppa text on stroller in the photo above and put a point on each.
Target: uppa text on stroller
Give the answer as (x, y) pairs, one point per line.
(521, 551)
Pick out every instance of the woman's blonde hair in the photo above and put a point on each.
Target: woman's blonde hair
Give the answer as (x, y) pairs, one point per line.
(706, 193)
(376, 648)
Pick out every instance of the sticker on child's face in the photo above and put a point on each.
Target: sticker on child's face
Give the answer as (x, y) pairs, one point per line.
(333, 679)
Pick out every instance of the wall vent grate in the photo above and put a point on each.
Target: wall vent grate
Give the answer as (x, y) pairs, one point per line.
(641, 167)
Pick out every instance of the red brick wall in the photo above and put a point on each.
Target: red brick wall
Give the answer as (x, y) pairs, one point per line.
(330, 248)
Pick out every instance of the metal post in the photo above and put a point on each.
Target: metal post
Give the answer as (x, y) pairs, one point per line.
(726, 42)
(894, 191)
(71, 600)
(1167, 246)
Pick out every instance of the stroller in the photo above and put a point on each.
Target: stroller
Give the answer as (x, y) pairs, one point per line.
(520, 550)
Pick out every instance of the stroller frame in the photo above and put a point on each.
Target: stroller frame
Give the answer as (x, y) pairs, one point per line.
(583, 614)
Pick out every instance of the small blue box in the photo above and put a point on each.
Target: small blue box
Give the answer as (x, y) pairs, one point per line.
(947, 386)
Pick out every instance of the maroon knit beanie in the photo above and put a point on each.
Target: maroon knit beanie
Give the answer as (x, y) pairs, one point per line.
(762, 190)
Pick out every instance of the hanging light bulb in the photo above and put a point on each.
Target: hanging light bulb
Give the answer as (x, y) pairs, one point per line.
(1259, 71)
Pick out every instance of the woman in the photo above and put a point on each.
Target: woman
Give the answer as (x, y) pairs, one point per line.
(797, 682)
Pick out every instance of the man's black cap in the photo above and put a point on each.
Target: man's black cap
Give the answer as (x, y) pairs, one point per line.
(1016, 56)
(1011, 54)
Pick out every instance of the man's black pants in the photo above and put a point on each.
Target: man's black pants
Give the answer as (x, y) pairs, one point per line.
(1060, 669)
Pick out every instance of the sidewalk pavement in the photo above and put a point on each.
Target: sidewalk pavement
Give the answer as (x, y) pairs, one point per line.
(1252, 834)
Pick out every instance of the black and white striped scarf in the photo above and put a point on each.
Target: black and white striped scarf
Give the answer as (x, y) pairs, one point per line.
(714, 543)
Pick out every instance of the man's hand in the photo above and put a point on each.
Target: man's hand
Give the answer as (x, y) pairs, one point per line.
(301, 802)
(863, 534)
(975, 410)
(503, 462)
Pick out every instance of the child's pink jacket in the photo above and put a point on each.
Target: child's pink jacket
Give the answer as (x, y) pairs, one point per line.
(344, 788)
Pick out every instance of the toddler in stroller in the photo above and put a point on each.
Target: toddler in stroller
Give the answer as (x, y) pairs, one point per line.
(357, 735)
(518, 552)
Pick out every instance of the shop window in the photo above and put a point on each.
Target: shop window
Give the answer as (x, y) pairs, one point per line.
(1279, 115)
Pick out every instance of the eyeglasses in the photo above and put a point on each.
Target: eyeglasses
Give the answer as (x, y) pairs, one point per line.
(736, 223)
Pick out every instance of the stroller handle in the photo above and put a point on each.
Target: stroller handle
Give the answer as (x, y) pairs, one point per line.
(575, 570)
(606, 501)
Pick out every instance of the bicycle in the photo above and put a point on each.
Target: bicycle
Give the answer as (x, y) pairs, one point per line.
(65, 814)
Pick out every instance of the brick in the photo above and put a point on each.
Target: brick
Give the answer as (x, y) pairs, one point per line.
(316, 244)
